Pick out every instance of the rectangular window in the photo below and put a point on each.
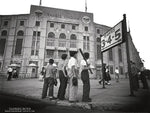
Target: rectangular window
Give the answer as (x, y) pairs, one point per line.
(21, 23)
(73, 27)
(98, 52)
(49, 53)
(18, 46)
(86, 43)
(63, 26)
(120, 54)
(84, 38)
(32, 52)
(34, 33)
(86, 28)
(5, 23)
(88, 38)
(110, 55)
(37, 23)
(2, 46)
(121, 70)
(37, 52)
(37, 44)
(33, 42)
(98, 31)
(38, 33)
(51, 24)
(111, 69)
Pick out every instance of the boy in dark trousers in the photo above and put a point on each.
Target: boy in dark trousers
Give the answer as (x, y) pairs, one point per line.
(49, 80)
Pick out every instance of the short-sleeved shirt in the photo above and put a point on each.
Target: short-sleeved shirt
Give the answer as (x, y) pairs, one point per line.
(62, 64)
(83, 63)
(50, 71)
(72, 62)
(10, 69)
(116, 71)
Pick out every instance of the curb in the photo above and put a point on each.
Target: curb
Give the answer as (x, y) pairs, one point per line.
(30, 98)
(79, 105)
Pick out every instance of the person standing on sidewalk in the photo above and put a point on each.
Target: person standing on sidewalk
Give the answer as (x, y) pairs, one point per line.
(108, 78)
(85, 78)
(73, 77)
(143, 78)
(42, 74)
(134, 76)
(49, 80)
(9, 71)
(117, 74)
(62, 77)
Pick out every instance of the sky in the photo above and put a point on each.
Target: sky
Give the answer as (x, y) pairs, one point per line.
(106, 12)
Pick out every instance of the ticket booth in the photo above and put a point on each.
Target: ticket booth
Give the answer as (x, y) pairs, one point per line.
(33, 70)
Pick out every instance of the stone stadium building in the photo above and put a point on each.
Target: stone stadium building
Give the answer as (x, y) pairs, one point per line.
(28, 41)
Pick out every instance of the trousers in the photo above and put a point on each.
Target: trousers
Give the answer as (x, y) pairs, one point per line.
(48, 83)
(63, 85)
(86, 85)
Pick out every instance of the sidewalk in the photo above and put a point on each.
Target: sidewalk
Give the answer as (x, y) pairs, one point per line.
(113, 97)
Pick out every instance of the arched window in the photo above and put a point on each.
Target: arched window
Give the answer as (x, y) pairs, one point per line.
(62, 36)
(4, 33)
(73, 37)
(20, 33)
(51, 35)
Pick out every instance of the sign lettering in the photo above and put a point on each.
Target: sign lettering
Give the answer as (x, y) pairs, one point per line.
(112, 38)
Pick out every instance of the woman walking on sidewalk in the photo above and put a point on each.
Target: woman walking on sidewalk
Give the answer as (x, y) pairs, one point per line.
(104, 76)
(108, 78)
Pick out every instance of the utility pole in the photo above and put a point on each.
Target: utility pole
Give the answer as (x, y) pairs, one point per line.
(102, 66)
(128, 55)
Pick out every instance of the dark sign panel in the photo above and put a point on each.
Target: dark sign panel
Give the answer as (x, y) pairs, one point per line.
(112, 38)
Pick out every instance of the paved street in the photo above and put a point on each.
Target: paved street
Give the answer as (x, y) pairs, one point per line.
(113, 97)
(19, 104)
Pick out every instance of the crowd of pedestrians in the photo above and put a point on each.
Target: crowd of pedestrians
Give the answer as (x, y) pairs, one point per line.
(68, 71)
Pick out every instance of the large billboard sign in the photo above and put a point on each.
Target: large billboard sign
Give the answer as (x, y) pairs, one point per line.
(112, 37)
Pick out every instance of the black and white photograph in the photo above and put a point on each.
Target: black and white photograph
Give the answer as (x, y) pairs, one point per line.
(74, 56)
